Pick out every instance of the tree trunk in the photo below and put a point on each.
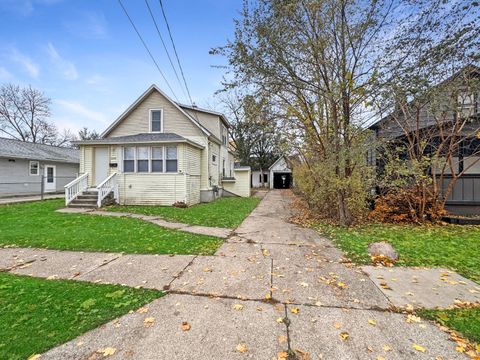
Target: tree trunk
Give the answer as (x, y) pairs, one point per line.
(344, 215)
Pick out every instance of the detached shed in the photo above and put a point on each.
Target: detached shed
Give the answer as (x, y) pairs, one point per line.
(281, 174)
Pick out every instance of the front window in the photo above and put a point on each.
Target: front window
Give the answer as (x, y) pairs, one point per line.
(142, 159)
(145, 159)
(157, 159)
(34, 168)
(156, 120)
(129, 159)
(171, 159)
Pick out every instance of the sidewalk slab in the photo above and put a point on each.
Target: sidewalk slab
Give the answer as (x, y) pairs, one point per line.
(423, 288)
(12, 257)
(226, 276)
(63, 264)
(147, 271)
(240, 250)
(216, 330)
(317, 331)
(325, 283)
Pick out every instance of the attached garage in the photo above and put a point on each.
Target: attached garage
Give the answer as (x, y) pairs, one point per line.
(280, 174)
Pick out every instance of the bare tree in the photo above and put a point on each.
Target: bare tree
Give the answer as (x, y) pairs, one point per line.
(24, 114)
(86, 134)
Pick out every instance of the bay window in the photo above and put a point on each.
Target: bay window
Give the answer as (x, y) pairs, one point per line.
(145, 159)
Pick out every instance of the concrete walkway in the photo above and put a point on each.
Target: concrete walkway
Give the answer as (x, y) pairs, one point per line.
(194, 229)
(271, 287)
(19, 199)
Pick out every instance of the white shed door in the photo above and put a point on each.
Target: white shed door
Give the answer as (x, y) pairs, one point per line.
(50, 178)
(101, 164)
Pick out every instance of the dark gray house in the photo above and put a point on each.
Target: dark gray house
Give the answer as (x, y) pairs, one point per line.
(456, 103)
(28, 168)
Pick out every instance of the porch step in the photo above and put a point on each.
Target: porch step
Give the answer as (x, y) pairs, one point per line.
(90, 192)
(77, 205)
(78, 200)
(87, 197)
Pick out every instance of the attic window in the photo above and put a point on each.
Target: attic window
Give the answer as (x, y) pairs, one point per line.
(156, 120)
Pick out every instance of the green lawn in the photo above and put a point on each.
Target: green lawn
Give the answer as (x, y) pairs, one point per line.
(465, 321)
(38, 314)
(224, 212)
(456, 247)
(36, 224)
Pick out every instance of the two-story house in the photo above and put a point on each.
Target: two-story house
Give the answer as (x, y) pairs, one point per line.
(159, 152)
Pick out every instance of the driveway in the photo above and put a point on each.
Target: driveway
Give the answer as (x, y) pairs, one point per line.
(272, 287)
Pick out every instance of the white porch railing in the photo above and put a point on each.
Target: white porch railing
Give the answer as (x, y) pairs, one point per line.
(75, 187)
(106, 187)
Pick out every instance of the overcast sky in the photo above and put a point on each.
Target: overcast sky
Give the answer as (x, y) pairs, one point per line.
(86, 57)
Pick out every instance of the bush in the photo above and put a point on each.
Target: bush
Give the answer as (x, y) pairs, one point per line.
(406, 205)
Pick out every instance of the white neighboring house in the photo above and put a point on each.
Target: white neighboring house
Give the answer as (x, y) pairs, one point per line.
(159, 152)
(280, 174)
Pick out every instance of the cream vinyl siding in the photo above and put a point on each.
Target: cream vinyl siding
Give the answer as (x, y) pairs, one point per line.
(193, 160)
(193, 189)
(210, 121)
(86, 162)
(215, 168)
(151, 188)
(241, 185)
(174, 121)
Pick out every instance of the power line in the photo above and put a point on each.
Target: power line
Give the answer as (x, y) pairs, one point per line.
(175, 50)
(165, 47)
(146, 48)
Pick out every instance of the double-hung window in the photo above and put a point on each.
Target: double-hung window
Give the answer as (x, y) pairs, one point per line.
(34, 168)
(129, 159)
(146, 159)
(157, 159)
(142, 159)
(156, 120)
(171, 162)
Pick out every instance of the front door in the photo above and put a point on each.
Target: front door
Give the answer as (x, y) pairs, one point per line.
(50, 182)
(101, 164)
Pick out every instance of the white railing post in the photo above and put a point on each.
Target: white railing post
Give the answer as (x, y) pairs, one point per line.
(75, 187)
(106, 187)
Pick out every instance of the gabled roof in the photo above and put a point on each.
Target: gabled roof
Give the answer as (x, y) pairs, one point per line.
(195, 108)
(143, 138)
(276, 161)
(11, 148)
(142, 97)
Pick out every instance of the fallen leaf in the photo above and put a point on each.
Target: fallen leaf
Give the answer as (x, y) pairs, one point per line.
(387, 348)
(419, 348)
(268, 297)
(412, 318)
(186, 326)
(282, 339)
(344, 335)
(34, 357)
(283, 355)
(372, 322)
(241, 348)
(149, 321)
(238, 307)
(337, 325)
(460, 349)
(265, 252)
(304, 284)
(52, 277)
(107, 351)
(207, 269)
(142, 310)
(341, 285)
(280, 320)
(294, 310)
(380, 357)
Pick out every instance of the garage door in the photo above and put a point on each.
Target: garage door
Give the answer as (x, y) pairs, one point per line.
(282, 180)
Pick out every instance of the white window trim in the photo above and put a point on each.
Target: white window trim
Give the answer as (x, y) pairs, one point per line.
(30, 168)
(150, 120)
(150, 158)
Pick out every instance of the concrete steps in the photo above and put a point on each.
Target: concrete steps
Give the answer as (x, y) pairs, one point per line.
(87, 199)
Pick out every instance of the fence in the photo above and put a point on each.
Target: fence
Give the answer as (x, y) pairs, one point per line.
(39, 186)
